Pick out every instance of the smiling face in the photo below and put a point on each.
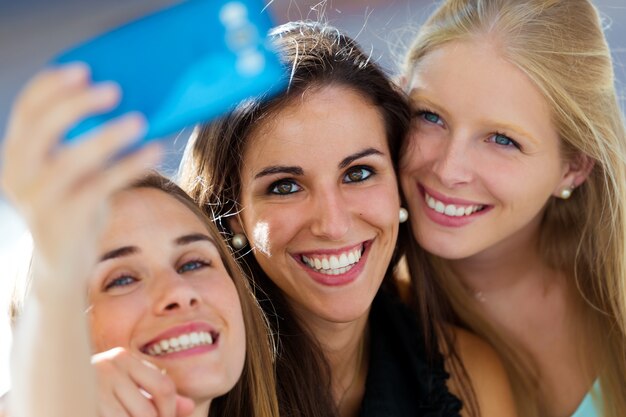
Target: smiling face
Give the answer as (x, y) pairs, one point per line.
(161, 291)
(320, 203)
(483, 156)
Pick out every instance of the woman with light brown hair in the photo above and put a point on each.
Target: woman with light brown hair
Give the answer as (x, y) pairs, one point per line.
(515, 179)
(124, 265)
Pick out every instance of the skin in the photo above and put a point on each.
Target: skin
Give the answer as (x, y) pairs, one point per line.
(483, 136)
(84, 192)
(162, 285)
(328, 205)
(338, 192)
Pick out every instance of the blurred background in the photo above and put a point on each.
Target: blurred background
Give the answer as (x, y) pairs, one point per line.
(33, 31)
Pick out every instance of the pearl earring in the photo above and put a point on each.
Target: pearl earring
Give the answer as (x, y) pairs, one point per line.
(239, 241)
(566, 193)
(403, 215)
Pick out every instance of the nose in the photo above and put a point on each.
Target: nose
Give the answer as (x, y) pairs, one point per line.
(331, 215)
(452, 164)
(175, 294)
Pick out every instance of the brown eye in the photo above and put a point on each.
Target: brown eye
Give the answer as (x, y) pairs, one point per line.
(284, 187)
(357, 174)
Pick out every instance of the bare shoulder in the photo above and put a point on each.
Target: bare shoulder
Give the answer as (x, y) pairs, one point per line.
(486, 373)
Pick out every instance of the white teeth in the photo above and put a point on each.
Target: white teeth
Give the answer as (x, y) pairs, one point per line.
(334, 265)
(182, 342)
(451, 210)
(318, 264)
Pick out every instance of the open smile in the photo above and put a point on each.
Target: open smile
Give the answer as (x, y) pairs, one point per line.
(449, 211)
(335, 267)
(181, 339)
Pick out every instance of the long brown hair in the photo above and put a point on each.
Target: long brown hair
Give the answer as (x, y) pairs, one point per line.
(318, 56)
(254, 395)
(560, 46)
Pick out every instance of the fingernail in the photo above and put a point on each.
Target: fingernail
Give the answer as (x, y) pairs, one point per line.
(74, 72)
(107, 91)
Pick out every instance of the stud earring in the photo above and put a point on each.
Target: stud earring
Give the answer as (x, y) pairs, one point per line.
(403, 215)
(239, 241)
(566, 193)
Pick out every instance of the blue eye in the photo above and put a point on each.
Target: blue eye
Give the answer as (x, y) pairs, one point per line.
(284, 187)
(191, 266)
(503, 140)
(357, 174)
(430, 117)
(122, 281)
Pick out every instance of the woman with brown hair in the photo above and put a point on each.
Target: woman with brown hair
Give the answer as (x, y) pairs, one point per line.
(307, 178)
(515, 179)
(162, 287)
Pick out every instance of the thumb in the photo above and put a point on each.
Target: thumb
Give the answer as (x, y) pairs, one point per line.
(184, 406)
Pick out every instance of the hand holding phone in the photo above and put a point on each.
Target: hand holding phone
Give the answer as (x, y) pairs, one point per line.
(183, 65)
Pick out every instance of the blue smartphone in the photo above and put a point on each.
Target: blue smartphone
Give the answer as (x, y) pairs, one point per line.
(182, 65)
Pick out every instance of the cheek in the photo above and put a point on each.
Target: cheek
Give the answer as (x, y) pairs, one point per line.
(272, 228)
(419, 150)
(111, 326)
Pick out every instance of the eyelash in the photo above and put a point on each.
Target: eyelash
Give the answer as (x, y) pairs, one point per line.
(117, 282)
(199, 262)
(511, 141)
(422, 113)
(273, 188)
(123, 279)
(370, 173)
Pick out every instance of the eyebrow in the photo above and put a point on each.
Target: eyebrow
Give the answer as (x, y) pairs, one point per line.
(279, 169)
(131, 250)
(362, 154)
(296, 170)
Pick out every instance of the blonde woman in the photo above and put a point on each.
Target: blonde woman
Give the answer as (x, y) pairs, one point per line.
(515, 180)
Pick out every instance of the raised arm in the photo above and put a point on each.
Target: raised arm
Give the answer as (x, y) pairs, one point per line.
(62, 192)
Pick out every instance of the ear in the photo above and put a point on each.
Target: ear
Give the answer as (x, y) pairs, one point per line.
(576, 172)
(234, 224)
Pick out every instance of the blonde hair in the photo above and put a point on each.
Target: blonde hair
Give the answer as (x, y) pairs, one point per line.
(560, 46)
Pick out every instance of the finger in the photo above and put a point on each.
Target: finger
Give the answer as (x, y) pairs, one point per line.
(27, 165)
(66, 112)
(109, 406)
(112, 408)
(136, 404)
(158, 385)
(184, 406)
(86, 163)
(42, 89)
(124, 172)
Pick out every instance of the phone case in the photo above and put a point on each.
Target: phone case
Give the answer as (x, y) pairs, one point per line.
(184, 64)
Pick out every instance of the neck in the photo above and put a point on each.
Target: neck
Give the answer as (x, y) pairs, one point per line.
(512, 263)
(345, 348)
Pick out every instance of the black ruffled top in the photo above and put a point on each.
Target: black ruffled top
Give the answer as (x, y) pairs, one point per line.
(402, 381)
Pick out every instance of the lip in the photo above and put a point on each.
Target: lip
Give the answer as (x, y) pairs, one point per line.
(449, 221)
(445, 199)
(180, 330)
(336, 280)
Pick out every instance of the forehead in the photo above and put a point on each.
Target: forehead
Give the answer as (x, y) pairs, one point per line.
(148, 213)
(474, 78)
(328, 122)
